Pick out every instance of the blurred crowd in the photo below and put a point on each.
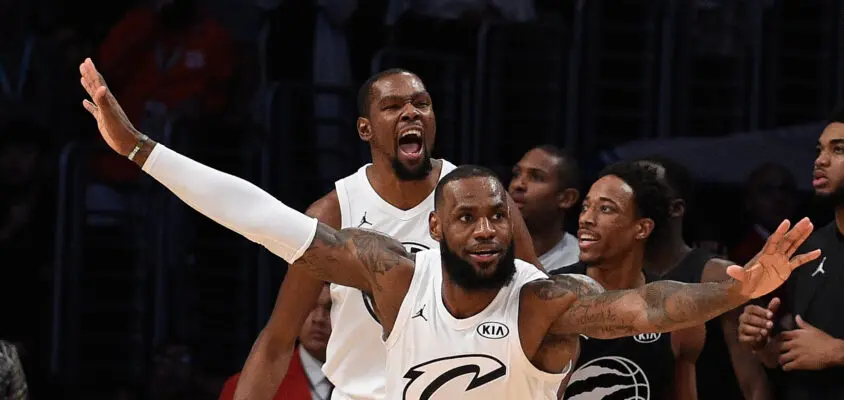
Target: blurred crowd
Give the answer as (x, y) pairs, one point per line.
(208, 65)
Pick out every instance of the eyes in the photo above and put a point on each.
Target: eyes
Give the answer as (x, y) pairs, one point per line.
(837, 149)
(602, 208)
(422, 104)
(532, 175)
(469, 218)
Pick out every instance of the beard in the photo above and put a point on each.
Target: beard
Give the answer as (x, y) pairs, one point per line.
(832, 200)
(463, 274)
(417, 174)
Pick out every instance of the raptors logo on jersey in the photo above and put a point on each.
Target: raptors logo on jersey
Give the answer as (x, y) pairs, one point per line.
(609, 377)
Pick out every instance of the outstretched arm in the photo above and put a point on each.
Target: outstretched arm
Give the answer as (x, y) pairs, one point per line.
(350, 257)
(661, 306)
(666, 306)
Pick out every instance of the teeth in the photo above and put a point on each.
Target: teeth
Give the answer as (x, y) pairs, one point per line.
(414, 132)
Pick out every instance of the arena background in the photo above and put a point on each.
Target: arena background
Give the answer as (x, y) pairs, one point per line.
(110, 283)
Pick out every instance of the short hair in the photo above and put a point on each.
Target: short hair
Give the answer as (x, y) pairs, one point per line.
(365, 91)
(568, 170)
(649, 193)
(677, 177)
(460, 173)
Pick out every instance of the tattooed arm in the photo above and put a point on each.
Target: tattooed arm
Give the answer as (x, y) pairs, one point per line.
(353, 257)
(662, 306)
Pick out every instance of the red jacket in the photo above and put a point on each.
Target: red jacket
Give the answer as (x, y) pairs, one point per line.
(294, 386)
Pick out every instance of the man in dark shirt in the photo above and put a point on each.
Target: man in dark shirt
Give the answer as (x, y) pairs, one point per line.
(726, 370)
(624, 211)
(801, 332)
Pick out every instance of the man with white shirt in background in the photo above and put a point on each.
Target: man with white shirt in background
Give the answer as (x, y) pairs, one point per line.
(304, 379)
(545, 186)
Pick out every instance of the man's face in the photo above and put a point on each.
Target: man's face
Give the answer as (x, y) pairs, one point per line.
(317, 327)
(475, 233)
(771, 197)
(608, 223)
(828, 175)
(401, 124)
(536, 189)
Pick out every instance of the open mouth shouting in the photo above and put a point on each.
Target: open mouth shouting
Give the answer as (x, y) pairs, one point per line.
(411, 145)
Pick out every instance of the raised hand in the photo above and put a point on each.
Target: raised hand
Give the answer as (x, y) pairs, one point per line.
(112, 122)
(774, 263)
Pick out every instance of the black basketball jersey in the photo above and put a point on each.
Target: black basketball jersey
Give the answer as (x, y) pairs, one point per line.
(715, 376)
(636, 367)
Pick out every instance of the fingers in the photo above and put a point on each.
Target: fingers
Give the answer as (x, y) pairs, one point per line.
(756, 316)
(100, 97)
(787, 357)
(773, 242)
(801, 259)
(754, 325)
(803, 324)
(795, 238)
(786, 241)
(774, 305)
(91, 107)
(736, 272)
(91, 79)
(791, 366)
(751, 334)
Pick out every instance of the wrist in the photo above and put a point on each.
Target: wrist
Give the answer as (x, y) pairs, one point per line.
(141, 150)
(838, 353)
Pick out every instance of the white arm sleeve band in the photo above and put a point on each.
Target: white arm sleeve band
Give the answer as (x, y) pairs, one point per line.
(234, 203)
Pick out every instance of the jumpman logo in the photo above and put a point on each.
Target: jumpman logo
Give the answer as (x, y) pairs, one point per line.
(820, 268)
(364, 221)
(419, 314)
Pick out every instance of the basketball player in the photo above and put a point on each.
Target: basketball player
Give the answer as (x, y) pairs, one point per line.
(545, 187)
(468, 320)
(725, 369)
(800, 333)
(393, 195)
(624, 211)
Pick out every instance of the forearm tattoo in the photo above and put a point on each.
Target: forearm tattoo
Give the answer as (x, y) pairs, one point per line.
(352, 257)
(656, 307)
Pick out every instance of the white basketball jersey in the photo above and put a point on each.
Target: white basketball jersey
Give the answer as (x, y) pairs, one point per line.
(433, 355)
(355, 356)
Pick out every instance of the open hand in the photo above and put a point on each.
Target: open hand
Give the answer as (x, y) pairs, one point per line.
(112, 122)
(773, 264)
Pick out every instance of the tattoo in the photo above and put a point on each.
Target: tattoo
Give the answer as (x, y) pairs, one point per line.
(559, 285)
(656, 307)
(337, 256)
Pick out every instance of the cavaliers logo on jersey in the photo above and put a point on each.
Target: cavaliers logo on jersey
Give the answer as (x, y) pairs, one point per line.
(443, 378)
(368, 301)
